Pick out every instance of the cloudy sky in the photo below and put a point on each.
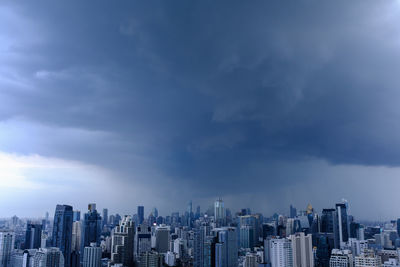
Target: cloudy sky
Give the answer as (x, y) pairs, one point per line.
(157, 103)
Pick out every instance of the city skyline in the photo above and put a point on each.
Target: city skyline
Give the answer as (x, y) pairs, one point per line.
(262, 103)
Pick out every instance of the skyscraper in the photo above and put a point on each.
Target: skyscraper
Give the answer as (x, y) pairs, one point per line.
(105, 217)
(122, 237)
(77, 215)
(33, 236)
(140, 213)
(341, 231)
(219, 212)
(162, 235)
(48, 257)
(91, 228)
(142, 239)
(226, 247)
(327, 220)
(92, 256)
(302, 250)
(76, 236)
(281, 253)
(62, 231)
(7, 239)
(293, 212)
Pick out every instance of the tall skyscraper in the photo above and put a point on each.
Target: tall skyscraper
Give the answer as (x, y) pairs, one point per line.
(226, 247)
(219, 212)
(328, 220)
(140, 213)
(292, 212)
(122, 237)
(62, 231)
(105, 217)
(246, 236)
(341, 225)
(7, 239)
(76, 236)
(92, 256)
(91, 228)
(33, 236)
(302, 250)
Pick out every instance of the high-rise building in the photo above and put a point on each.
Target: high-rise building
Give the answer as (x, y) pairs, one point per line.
(22, 258)
(91, 227)
(293, 212)
(341, 225)
(341, 258)
(155, 212)
(246, 236)
(226, 247)
(62, 231)
(302, 250)
(140, 213)
(219, 212)
(327, 220)
(142, 239)
(281, 253)
(105, 217)
(7, 239)
(77, 215)
(48, 257)
(162, 235)
(122, 237)
(33, 236)
(76, 236)
(92, 256)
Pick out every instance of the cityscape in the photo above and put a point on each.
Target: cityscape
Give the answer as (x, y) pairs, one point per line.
(216, 237)
(199, 133)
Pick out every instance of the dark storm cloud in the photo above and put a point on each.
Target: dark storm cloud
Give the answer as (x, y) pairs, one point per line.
(204, 91)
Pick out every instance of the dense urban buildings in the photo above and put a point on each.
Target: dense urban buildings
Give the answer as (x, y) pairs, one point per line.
(216, 237)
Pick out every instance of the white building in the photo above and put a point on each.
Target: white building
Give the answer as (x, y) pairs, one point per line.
(7, 239)
(170, 258)
(142, 240)
(391, 263)
(302, 250)
(250, 260)
(281, 254)
(367, 259)
(122, 237)
(92, 256)
(341, 258)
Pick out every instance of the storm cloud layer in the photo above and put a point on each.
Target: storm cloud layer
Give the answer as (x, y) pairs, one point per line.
(265, 103)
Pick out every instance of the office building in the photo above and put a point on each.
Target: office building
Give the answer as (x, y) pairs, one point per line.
(92, 256)
(62, 231)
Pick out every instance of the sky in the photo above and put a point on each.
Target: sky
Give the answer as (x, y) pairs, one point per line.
(156, 103)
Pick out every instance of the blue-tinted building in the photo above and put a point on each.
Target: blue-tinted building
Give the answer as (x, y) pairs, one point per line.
(91, 228)
(33, 236)
(62, 231)
(140, 213)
